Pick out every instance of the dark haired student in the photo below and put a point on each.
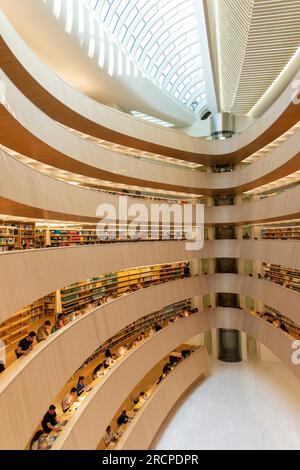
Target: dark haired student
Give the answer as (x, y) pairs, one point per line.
(50, 420)
(25, 346)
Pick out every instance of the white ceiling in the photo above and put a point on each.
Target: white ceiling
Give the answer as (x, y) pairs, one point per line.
(170, 59)
(251, 43)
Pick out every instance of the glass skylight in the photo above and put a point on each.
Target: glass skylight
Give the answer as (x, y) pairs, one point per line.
(163, 38)
(152, 119)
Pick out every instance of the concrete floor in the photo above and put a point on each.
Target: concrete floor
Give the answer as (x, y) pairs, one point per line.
(247, 405)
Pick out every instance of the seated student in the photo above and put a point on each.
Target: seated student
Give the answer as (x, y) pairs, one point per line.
(185, 353)
(75, 314)
(141, 398)
(141, 337)
(167, 368)
(110, 436)
(25, 346)
(39, 441)
(157, 327)
(173, 360)
(107, 352)
(109, 361)
(50, 421)
(80, 387)
(135, 343)
(186, 270)
(86, 308)
(283, 327)
(57, 325)
(98, 371)
(68, 399)
(276, 323)
(122, 350)
(44, 331)
(123, 418)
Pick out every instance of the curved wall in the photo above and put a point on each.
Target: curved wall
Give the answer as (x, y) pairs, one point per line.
(50, 365)
(48, 368)
(31, 274)
(87, 426)
(68, 106)
(140, 433)
(43, 139)
(28, 193)
(285, 205)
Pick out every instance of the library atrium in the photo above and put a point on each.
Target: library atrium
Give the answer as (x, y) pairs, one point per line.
(149, 225)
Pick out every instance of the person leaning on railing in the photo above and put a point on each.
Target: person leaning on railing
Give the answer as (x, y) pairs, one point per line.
(25, 346)
(43, 331)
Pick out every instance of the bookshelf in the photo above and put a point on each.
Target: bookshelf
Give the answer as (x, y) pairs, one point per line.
(15, 234)
(286, 277)
(83, 293)
(40, 238)
(132, 331)
(281, 233)
(9, 237)
(92, 290)
(17, 326)
(293, 329)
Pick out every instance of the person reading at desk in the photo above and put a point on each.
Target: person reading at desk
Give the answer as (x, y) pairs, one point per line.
(109, 361)
(122, 350)
(110, 436)
(50, 421)
(123, 418)
(98, 371)
(39, 441)
(69, 399)
(57, 325)
(80, 388)
(25, 346)
(44, 331)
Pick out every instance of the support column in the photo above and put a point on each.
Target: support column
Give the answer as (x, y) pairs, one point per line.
(244, 346)
(214, 343)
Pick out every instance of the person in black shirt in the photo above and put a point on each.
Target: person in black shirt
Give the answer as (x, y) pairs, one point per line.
(2, 366)
(186, 270)
(123, 418)
(167, 368)
(283, 327)
(50, 420)
(25, 346)
(157, 327)
(107, 352)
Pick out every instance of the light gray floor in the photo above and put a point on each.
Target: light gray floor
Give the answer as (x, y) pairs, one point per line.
(248, 405)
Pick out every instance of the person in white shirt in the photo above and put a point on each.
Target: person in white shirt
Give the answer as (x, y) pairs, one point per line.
(109, 361)
(110, 436)
(122, 350)
(69, 399)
